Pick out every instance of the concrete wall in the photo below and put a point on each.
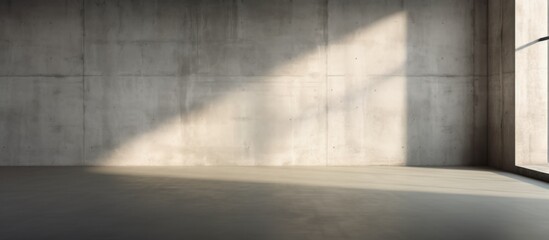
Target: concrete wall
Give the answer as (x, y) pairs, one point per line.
(517, 96)
(531, 23)
(501, 82)
(302, 82)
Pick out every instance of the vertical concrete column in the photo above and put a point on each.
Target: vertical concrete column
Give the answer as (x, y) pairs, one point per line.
(531, 82)
(501, 83)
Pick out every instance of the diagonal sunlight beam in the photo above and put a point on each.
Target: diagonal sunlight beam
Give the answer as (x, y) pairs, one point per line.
(279, 119)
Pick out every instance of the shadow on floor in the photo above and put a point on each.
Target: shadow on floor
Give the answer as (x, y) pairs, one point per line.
(76, 203)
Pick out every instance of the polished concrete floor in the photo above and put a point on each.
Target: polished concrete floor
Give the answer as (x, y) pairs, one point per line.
(270, 203)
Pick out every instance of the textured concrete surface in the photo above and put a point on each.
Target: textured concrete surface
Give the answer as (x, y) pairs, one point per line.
(531, 82)
(405, 87)
(40, 38)
(501, 81)
(517, 97)
(304, 82)
(41, 120)
(270, 203)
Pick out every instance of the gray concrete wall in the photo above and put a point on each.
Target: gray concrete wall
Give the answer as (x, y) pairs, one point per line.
(303, 82)
(517, 96)
(501, 82)
(531, 23)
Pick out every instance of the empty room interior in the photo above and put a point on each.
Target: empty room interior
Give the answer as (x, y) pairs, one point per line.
(274, 119)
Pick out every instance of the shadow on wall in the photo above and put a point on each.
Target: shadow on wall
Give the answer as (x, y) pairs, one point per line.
(244, 83)
(446, 83)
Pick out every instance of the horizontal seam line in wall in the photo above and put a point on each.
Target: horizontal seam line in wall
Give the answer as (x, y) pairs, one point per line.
(189, 75)
(37, 76)
(167, 76)
(250, 76)
(398, 75)
(498, 74)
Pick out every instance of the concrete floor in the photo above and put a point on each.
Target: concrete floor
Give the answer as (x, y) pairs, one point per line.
(270, 203)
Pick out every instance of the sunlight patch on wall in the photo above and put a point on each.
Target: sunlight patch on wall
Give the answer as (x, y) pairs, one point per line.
(276, 119)
(280, 118)
(367, 94)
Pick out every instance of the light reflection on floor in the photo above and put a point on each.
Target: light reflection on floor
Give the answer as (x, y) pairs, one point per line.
(435, 180)
(270, 203)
